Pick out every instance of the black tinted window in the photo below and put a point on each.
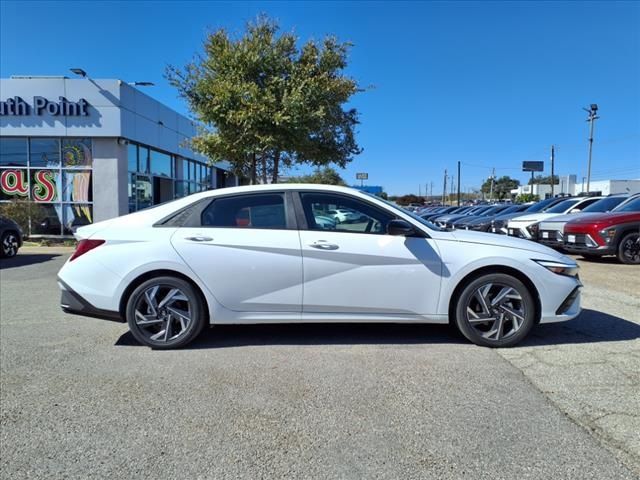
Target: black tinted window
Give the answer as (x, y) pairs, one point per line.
(325, 211)
(246, 211)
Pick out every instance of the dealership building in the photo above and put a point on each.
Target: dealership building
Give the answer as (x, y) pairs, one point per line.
(82, 150)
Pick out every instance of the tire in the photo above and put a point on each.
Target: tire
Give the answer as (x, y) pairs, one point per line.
(165, 301)
(9, 244)
(508, 319)
(629, 249)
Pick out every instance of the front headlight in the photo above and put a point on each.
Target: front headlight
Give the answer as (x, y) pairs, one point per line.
(533, 229)
(560, 268)
(608, 234)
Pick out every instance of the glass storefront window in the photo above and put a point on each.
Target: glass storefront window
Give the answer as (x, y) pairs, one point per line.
(160, 164)
(44, 152)
(76, 215)
(76, 153)
(76, 186)
(143, 159)
(46, 219)
(14, 184)
(45, 185)
(132, 157)
(144, 193)
(13, 152)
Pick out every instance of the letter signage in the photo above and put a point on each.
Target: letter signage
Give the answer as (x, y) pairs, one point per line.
(17, 107)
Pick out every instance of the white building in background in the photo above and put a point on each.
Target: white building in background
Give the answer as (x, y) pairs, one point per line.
(569, 186)
(82, 150)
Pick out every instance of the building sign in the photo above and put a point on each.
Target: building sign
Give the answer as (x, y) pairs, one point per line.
(532, 166)
(17, 107)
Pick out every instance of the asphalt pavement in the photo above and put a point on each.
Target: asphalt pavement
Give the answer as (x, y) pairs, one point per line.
(80, 399)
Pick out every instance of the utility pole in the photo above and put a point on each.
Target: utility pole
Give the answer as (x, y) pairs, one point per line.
(592, 110)
(458, 182)
(431, 194)
(444, 189)
(493, 175)
(553, 180)
(419, 189)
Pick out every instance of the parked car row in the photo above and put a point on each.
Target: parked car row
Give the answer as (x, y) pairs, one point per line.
(591, 226)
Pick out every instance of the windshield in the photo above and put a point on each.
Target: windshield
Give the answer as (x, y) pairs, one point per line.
(515, 208)
(632, 206)
(563, 206)
(604, 204)
(538, 207)
(418, 218)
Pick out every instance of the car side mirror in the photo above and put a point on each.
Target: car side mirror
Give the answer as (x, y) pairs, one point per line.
(575, 210)
(400, 227)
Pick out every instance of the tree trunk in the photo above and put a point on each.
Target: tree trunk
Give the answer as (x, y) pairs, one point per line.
(276, 164)
(263, 159)
(253, 169)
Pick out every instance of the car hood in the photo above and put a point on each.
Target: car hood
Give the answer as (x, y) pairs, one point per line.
(536, 217)
(508, 216)
(569, 217)
(611, 218)
(448, 218)
(483, 238)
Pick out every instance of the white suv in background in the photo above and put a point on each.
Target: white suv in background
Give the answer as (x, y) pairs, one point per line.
(526, 226)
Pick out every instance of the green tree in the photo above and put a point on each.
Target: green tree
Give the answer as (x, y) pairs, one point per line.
(501, 186)
(326, 176)
(410, 198)
(542, 180)
(527, 197)
(265, 103)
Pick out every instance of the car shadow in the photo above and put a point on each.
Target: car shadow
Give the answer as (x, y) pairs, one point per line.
(590, 327)
(23, 259)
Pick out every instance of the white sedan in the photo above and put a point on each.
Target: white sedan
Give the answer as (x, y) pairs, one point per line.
(256, 254)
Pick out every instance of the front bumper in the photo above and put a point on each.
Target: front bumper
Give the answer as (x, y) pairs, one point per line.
(584, 243)
(72, 302)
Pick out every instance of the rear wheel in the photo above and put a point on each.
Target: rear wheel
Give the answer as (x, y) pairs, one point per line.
(9, 244)
(629, 249)
(165, 312)
(495, 310)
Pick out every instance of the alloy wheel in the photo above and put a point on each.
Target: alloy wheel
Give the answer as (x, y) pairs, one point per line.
(10, 245)
(163, 313)
(496, 311)
(631, 249)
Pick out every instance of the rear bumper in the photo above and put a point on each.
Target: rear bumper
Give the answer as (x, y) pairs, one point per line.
(72, 302)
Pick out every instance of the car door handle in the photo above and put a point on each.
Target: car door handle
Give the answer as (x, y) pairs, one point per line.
(324, 245)
(199, 238)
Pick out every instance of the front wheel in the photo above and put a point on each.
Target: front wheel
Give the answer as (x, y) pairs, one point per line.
(629, 249)
(495, 310)
(9, 244)
(165, 313)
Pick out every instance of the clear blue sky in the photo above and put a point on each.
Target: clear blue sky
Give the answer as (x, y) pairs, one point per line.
(488, 83)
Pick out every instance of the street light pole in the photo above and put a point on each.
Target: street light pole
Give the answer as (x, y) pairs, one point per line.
(592, 110)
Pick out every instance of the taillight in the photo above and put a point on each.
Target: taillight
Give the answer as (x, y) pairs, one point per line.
(84, 246)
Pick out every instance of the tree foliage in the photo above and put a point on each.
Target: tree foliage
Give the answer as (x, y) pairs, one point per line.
(527, 197)
(326, 176)
(544, 180)
(266, 103)
(501, 186)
